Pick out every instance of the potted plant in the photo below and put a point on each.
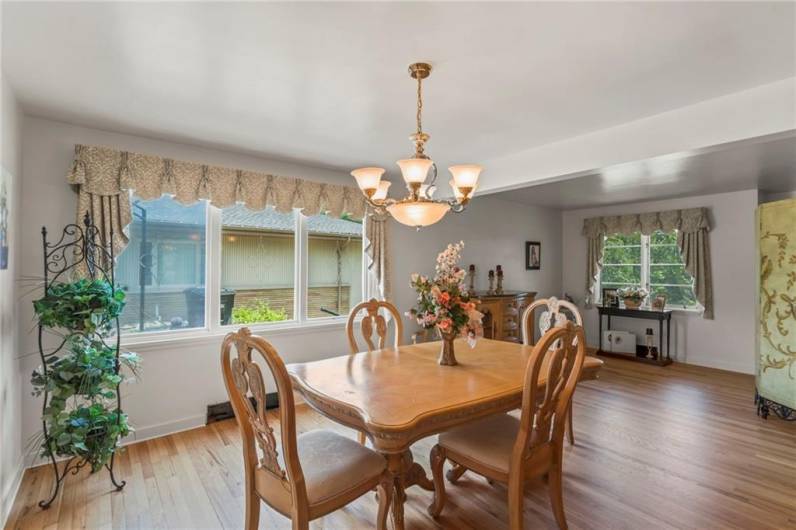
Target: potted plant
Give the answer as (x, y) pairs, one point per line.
(81, 416)
(633, 296)
(444, 304)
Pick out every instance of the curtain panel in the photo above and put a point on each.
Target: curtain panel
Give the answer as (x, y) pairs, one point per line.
(105, 178)
(692, 225)
(376, 250)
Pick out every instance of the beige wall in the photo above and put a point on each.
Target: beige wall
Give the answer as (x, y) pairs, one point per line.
(10, 388)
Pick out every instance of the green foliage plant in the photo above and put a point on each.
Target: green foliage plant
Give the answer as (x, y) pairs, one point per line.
(84, 305)
(260, 312)
(82, 378)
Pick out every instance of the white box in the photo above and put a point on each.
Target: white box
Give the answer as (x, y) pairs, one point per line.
(619, 341)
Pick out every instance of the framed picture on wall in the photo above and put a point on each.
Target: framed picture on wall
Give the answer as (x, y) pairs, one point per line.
(533, 255)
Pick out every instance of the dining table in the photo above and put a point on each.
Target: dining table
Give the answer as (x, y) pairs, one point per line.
(397, 396)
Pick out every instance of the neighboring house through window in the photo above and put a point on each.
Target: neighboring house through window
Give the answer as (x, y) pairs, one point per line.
(261, 267)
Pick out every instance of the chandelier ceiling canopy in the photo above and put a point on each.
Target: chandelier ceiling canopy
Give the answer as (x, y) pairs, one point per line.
(418, 208)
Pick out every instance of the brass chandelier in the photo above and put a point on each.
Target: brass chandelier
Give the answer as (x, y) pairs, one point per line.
(418, 208)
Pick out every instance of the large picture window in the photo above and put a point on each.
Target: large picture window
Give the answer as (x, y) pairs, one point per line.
(652, 262)
(240, 266)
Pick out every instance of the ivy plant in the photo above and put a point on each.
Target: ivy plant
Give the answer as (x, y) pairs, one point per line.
(83, 306)
(82, 415)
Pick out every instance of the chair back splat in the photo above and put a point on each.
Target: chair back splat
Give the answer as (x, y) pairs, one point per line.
(374, 321)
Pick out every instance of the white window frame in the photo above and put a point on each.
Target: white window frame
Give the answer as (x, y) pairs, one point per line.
(645, 274)
(213, 326)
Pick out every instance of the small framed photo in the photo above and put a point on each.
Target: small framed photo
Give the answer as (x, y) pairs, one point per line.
(659, 302)
(533, 255)
(610, 298)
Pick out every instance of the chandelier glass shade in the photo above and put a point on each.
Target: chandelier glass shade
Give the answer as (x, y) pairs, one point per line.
(418, 208)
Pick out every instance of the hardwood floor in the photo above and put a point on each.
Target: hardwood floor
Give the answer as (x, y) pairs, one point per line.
(675, 447)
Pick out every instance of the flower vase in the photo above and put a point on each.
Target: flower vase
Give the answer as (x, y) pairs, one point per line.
(632, 303)
(446, 355)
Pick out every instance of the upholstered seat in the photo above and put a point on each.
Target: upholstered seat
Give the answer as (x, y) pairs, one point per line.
(490, 440)
(334, 464)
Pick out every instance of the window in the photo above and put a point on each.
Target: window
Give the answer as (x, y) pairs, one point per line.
(162, 269)
(261, 267)
(257, 265)
(652, 262)
(334, 271)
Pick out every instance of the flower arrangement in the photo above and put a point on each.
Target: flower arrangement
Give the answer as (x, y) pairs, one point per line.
(444, 302)
(633, 296)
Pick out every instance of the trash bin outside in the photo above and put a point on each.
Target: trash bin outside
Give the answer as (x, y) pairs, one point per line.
(195, 300)
(227, 303)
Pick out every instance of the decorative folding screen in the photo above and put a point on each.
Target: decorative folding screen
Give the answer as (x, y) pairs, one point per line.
(776, 363)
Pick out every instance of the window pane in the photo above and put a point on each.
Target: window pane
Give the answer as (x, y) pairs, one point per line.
(334, 265)
(257, 265)
(669, 274)
(163, 267)
(621, 274)
(621, 239)
(676, 296)
(665, 254)
(628, 255)
(664, 238)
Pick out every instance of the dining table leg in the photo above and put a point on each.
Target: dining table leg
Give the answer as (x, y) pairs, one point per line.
(406, 473)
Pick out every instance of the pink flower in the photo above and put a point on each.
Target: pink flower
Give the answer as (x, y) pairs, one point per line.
(444, 298)
(445, 324)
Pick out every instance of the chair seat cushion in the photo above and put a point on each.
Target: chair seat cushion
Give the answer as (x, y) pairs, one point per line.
(489, 441)
(333, 464)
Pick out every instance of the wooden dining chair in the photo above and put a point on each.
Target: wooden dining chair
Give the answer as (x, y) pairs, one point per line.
(373, 321)
(557, 313)
(512, 451)
(317, 472)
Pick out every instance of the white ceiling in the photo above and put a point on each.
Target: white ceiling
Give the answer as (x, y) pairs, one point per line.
(326, 83)
(767, 164)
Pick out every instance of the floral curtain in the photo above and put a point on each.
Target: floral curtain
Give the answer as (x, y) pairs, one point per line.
(106, 177)
(692, 225)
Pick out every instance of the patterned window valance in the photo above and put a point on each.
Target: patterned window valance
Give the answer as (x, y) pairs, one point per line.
(689, 220)
(104, 178)
(692, 227)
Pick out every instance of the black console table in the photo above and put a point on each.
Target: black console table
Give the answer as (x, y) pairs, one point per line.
(660, 316)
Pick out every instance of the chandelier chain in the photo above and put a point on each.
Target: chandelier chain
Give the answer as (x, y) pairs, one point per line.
(419, 104)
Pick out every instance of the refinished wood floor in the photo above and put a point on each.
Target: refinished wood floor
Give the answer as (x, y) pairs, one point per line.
(675, 447)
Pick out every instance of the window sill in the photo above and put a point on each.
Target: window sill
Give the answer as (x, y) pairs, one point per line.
(159, 340)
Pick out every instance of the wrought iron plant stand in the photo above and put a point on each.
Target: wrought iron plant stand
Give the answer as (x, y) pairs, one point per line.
(79, 247)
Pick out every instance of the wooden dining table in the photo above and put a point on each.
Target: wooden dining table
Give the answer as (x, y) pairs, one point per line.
(397, 396)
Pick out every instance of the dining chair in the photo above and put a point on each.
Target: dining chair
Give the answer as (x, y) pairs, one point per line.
(373, 321)
(557, 313)
(512, 451)
(318, 471)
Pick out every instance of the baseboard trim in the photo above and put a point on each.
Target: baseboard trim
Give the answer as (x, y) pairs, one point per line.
(10, 495)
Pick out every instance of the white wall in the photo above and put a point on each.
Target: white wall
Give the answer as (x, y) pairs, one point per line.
(180, 379)
(728, 341)
(494, 232)
(10, 391)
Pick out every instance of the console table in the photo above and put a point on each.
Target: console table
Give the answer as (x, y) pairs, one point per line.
(660, 316)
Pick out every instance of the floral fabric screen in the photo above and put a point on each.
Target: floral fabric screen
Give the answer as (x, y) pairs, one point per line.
(776, 366)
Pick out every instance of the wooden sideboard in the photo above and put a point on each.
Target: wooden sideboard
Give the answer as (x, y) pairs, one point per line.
(503, 313)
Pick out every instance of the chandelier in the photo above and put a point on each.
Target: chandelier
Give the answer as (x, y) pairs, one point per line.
(418, 208)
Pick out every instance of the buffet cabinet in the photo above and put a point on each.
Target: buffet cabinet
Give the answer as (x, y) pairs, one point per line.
(503, 313)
